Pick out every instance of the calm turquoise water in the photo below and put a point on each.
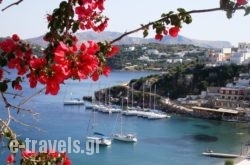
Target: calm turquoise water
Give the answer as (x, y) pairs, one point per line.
(175, 141)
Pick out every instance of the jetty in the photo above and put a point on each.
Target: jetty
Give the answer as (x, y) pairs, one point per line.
(220, 155)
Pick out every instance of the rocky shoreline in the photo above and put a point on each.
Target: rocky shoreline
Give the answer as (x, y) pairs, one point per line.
(132, 97)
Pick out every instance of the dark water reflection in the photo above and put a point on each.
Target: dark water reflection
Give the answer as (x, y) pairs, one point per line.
(205, 138)
(202, 126)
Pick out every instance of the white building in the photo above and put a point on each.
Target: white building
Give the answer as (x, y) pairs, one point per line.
(227, 50)
(152, 51)
(243, 80)
(243, 46)
(237, 58)
(144, 58)
(174, 60)
(240, 57)
(131, 48)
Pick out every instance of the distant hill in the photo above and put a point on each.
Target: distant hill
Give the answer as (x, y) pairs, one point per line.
(108, 36)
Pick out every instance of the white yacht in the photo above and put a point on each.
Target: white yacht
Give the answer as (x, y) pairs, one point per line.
(73, 101)
(125, 137)
(99, 139)
(96, 137)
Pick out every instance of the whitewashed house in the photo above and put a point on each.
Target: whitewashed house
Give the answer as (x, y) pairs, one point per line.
(152, 51)
(237, 58)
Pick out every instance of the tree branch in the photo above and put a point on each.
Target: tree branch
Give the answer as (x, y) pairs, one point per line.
(26, 125)
(164, 18)
(15, 3)
(18, 107)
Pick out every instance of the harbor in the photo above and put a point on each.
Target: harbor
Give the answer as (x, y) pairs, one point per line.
(177, 140)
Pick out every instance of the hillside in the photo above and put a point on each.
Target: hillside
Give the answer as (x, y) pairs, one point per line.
(107, 35)
(183, 80)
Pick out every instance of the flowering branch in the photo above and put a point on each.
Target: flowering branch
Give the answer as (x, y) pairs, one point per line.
(143, 27)
(15, 3)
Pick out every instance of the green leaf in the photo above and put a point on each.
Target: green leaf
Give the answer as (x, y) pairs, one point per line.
(247, 10)
(3, 62)
(175, 20)
(181, 10)
(229, 14)
(63, 4)
(75, 27)
(145, 33)
(3, 86)
(164, 15)
(187, 19)
(224, 4)
(170, 12)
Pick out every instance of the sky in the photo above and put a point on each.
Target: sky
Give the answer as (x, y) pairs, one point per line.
(28, 19)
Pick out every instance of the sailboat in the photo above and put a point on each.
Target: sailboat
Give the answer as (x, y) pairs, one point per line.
(155, 114)
(131, 111)
(97, 137)
(125, 137)
(73, 101)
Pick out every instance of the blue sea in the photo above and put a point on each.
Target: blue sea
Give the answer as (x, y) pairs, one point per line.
(178, 140)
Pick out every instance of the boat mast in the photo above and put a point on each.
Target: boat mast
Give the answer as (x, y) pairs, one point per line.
(132, 97)
(121, 120)
(142, 96)
(150, 97)
(154, 95)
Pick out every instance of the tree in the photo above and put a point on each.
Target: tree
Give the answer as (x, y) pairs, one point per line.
(64, 58)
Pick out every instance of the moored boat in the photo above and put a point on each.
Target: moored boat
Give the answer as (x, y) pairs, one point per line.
(125, 137)
(99, 139)
(73, 101)
(219, 155)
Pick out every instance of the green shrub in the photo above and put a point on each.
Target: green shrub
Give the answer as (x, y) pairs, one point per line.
(229, 162)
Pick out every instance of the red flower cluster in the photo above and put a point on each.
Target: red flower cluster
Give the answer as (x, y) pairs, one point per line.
(22, 53)
(173, 32)
(10, 159)
(54, 157)
(18, 55)
(89, 15)
(241, 2)
(69, 62)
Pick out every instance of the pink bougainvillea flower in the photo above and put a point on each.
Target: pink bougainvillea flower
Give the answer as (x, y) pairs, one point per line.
(106, 70)
(95, 76)
(158, 37)
(165, 32)
(60, 73)
(173, 31)
(15, 37)
(92, 47)
(17, 86)
(7, 45)
(52, 86)
(37, 63)
(49, 17)
(114, 50)
(27, 154)
(1, 74)
(100, 4)
(67, 162)
(241, 2)
(60, 52)
(32, 80)
(10, 158)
